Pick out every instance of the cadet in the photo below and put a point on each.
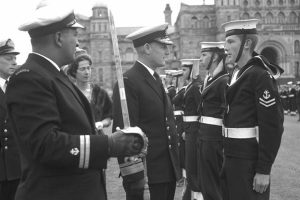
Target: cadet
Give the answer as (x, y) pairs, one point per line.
(10, 169)
(178, 102)
(211, 110)
(61, 155)
(292, 99)
(254, 119)
(191, 126)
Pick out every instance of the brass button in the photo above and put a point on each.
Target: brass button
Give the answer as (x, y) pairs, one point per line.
(170, 146)
(6, 139)
(178, 143)
(169, 137)
(5, 130)
(168, 128)
(6, 147)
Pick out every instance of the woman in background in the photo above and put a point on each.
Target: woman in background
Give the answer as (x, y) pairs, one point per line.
(101, 104)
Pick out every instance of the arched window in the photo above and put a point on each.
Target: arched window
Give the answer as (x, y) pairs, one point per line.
(206, 22)
(269, 18)
(257, 16)
(246, 16)
(280, 2)
(293, 18)
(129, 55)
(297, 46)
(281, 18)
(194, 22)
(245, 3)
(269, 2)
(292, 2)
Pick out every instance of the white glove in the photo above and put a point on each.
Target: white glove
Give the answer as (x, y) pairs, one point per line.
(99, 125)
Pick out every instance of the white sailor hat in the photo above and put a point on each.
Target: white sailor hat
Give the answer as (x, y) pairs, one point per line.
(212, 47)
(189, 61)
(298, 82)
(290, 82)
(150, 34)
(239, 27)
(48, 18)
(7, 46)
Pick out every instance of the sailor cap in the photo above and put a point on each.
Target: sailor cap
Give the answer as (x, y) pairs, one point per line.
(212, 47)
(239, 27)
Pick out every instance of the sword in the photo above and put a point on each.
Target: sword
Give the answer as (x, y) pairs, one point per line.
(135, 160)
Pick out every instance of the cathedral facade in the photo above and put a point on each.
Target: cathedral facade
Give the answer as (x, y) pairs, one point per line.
(278, 29)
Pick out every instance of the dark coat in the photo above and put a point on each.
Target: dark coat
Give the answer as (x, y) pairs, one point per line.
(212, 104)
(55, 132)
(10, 168)
(253, 100)
(151, 110)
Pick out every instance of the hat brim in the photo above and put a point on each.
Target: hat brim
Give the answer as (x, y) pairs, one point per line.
(166, 41)
(10, 52)
(76, 25)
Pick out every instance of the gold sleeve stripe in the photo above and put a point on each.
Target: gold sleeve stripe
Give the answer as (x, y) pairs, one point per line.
(87, 151)
(82, 151)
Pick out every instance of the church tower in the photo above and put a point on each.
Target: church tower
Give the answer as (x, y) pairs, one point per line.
(168, 14)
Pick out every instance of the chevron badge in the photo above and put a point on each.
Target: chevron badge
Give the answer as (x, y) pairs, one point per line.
(265, 100)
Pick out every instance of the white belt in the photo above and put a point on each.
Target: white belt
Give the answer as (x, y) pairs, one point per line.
(178, 112)
(211, 120)
(190, 118)
(241, 133)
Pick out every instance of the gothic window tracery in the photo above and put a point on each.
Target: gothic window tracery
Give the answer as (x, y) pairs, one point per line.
(257, 16)
(293, 18)
(281, 18)
(245, 3)
(206, 22)
(269, 18)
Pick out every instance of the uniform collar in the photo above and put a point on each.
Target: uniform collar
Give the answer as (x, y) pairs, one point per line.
(2, 82)
(151, 71)
(51, 61)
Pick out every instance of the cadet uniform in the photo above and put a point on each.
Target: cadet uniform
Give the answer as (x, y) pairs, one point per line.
(10, 169)
(292, 101)
(211, 111)
(253, 122)
(284, 100)
(191, 126)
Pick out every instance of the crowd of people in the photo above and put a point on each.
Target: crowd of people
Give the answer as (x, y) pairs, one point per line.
(216, 135)
(290, 98)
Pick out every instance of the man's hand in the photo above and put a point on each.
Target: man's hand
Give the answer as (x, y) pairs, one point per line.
(125, 143)
(99, 125)
(261, 182)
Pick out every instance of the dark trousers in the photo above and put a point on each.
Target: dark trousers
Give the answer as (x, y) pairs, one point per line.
(191, 160)
(209, 167)
(239, 174)
(162, 191)
(8, 189)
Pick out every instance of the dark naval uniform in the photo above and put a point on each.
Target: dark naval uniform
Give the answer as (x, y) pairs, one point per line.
(150, 108)
(284, 101)
(191, 126)
(61, 155)
(298, 102)
(253, 129)
(292, 101)
(10, 168)
(209, 143)
(178, 113)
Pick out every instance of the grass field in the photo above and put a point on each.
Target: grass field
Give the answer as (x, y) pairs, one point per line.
(285, 183)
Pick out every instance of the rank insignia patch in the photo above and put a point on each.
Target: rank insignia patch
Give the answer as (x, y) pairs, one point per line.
(74, 151)
(265, 100)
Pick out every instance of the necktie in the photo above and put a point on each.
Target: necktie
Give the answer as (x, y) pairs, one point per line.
(157, 78)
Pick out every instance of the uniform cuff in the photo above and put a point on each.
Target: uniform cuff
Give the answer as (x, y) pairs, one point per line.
(263, 167)
(98, 151)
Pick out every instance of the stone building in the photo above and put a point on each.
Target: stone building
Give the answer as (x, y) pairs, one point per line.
(279, 32)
